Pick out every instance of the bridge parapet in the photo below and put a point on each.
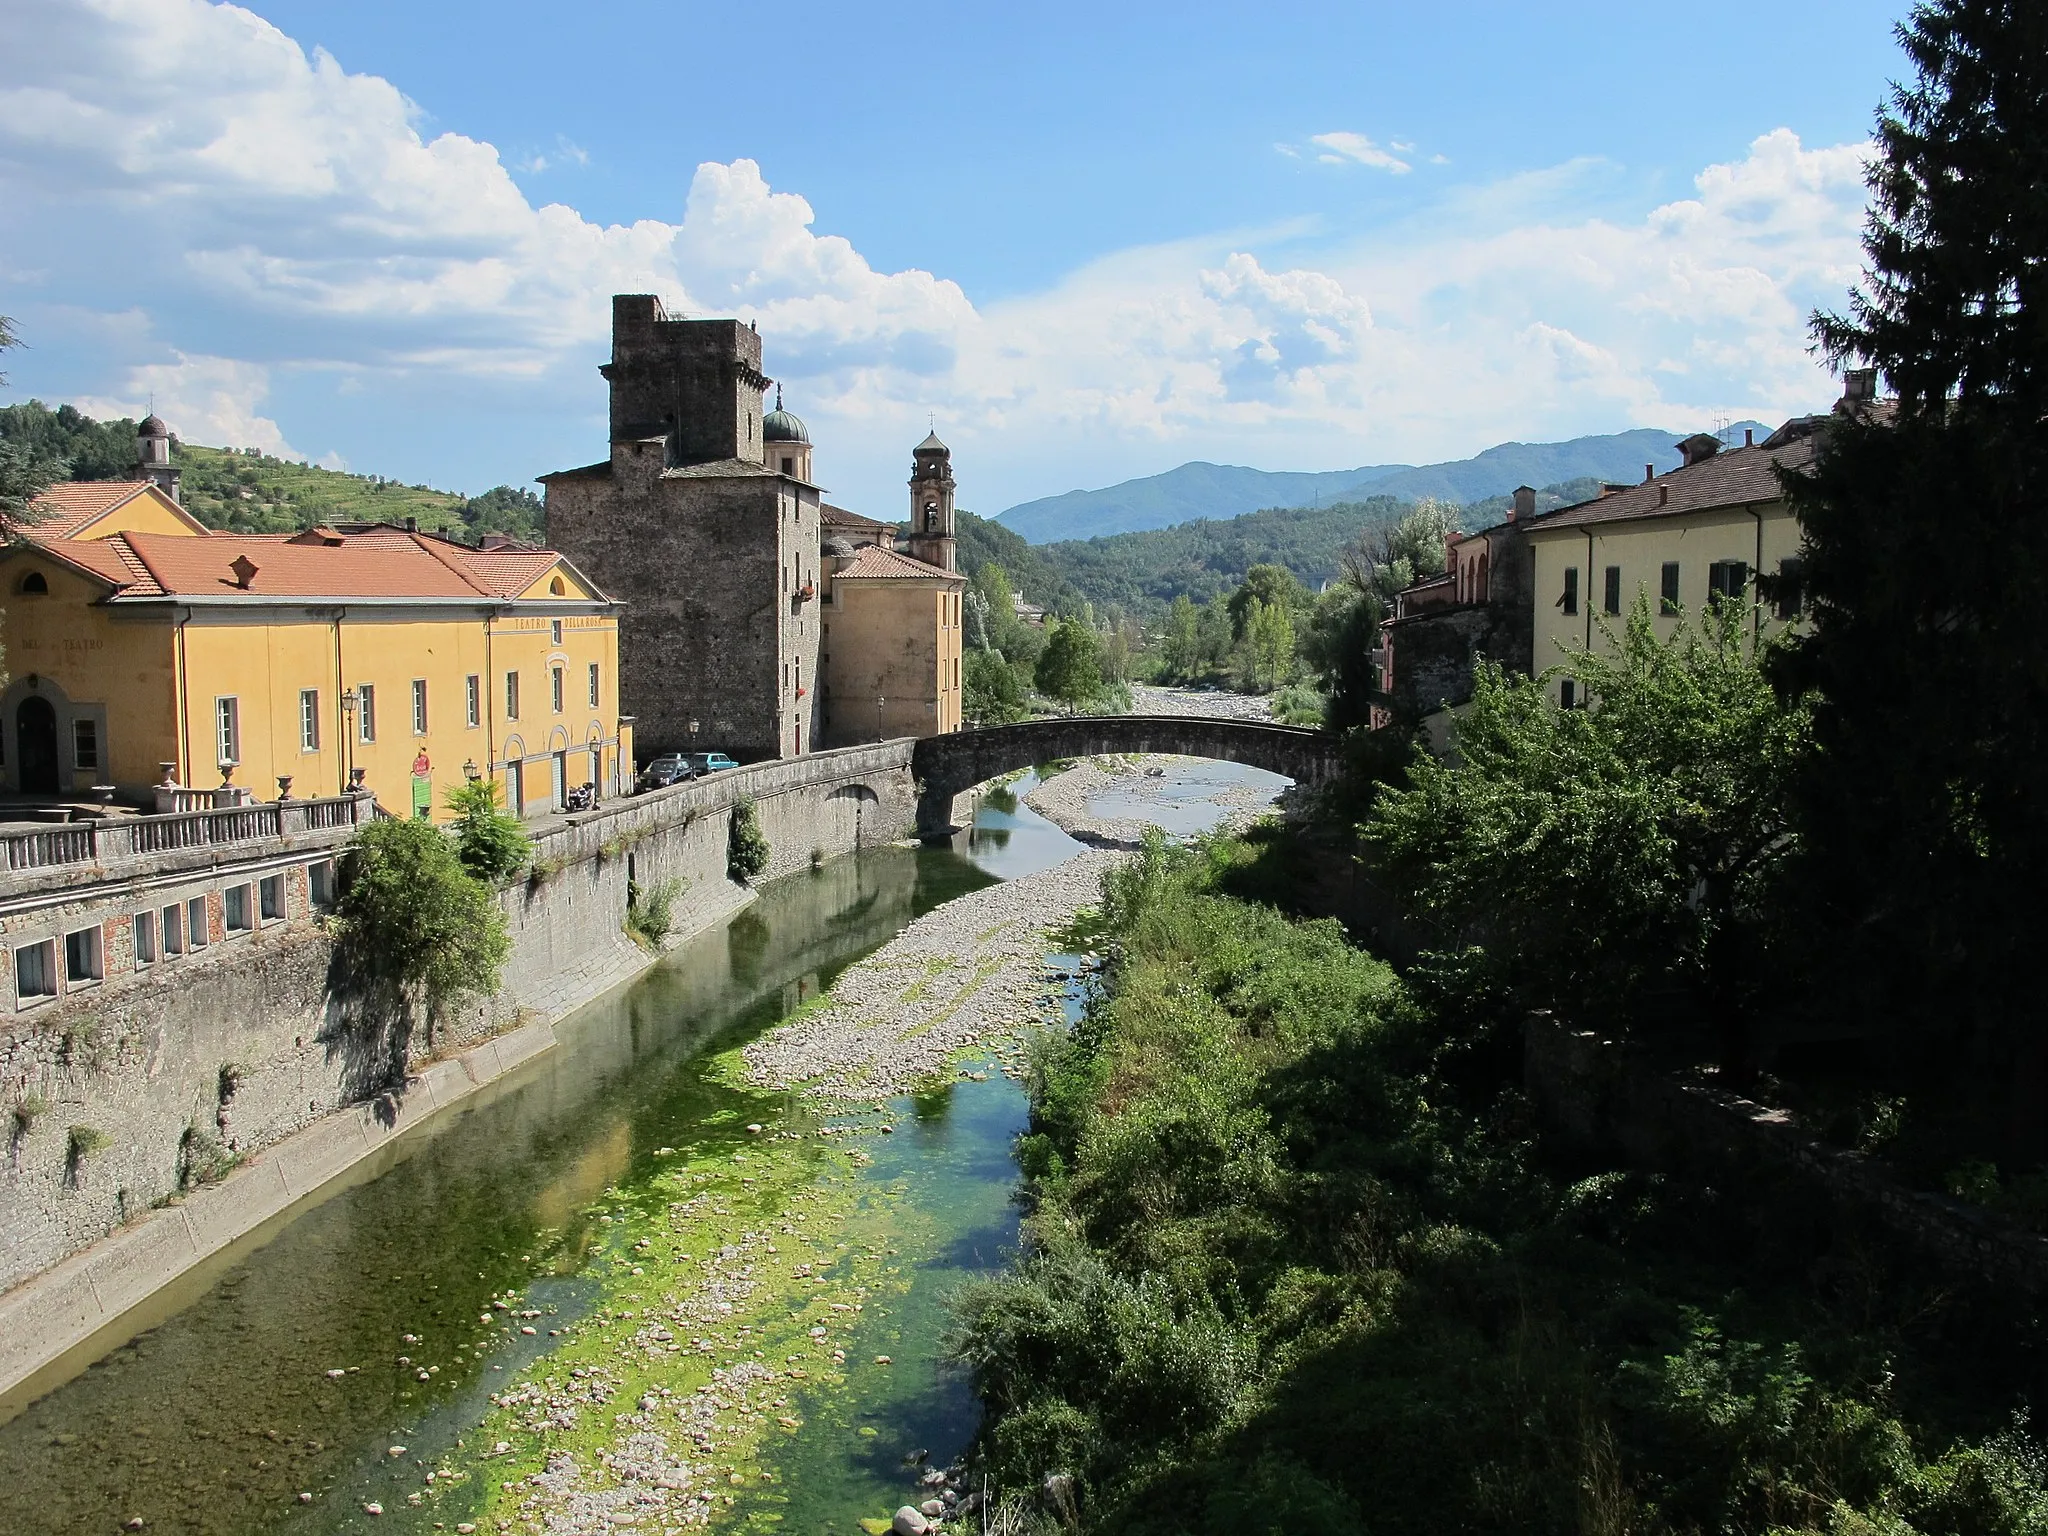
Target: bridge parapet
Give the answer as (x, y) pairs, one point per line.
(948, 766)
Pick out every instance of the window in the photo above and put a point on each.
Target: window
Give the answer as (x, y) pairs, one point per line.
(1612, 596)
(788, 466)
(34, 584)
(511, 695)
(1569, 599)
(555, 687)
(85, 745)
(1669, 589)
(1791, 584)
(270, 893)
(593, 685)
(1567, 694)
(237, 909)
(366, 712)
(196, 934)
(82, 955)
(472, 700)
(320, 883)
(555, 631)
(309, 719)
(419, 706)
(1727, 581)
(174, 929)
(145, 939)
(227, 722)
(35, 971)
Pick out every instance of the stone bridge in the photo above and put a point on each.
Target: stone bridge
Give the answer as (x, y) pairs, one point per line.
(947, 766)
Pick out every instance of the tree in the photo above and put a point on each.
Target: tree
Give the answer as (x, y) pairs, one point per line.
(1336, 644)
(1924, 811)
(1595, 853)
(746, 845)
(1268, 645)
(412, 920)
(1068, 670)
(492, 845)
(1180, 652)
(1271, 585)
(989, 691)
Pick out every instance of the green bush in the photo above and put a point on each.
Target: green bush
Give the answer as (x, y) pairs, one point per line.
(650, 914)
(491, 844)
(746, 846)
(413, 919)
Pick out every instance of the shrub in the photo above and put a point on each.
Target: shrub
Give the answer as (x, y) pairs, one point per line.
(490, 843)
(746, 848)
(649, 914)
(412, 918)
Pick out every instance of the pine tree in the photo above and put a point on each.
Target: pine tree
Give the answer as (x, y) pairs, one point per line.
(1925, 810)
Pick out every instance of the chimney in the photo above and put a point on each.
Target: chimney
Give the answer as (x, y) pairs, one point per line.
(1859, 384)
(1649, 473)
(244, 569)
(412, 524)
(1698, 448)
(1524, 504)
(1749, 437)
(1612, 488)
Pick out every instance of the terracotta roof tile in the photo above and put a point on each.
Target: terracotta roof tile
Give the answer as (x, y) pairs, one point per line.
(839, 517)
(65, 508)
(1729, 479)
(876, 563)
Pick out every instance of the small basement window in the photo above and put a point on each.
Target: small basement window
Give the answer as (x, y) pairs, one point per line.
(35, 971)
(82, 955)
(271, 894)
(320, 883)
(145, 940)
(238, 909)
(196, 933)
(174, 929)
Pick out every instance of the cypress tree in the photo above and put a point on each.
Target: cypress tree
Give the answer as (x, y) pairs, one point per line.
(1924, 812)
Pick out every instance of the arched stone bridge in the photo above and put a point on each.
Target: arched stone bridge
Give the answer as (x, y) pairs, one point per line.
(947, 766)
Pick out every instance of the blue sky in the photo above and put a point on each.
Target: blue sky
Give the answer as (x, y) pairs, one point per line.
(1093, 241)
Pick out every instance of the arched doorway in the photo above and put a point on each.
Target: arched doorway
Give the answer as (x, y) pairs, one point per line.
(35, 734)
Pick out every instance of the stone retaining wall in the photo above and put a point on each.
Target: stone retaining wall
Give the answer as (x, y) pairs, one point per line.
(1609, 1094)
(237, 1048)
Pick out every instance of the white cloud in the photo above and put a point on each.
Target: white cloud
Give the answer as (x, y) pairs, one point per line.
(292, 221)
(564, 153)
(1357, 149)
(207, 399)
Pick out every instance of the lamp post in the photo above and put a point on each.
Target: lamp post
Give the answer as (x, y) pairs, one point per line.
(348, 748)
(470, 772)
(879, 702)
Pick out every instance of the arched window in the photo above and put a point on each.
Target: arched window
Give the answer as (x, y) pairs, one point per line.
(558, 587)
(32, 584)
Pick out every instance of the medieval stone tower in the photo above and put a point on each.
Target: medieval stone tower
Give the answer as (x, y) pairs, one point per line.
(931, 504)
(712, 547)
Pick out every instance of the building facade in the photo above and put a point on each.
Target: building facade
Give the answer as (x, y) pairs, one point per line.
(143, 647)
(706, 521)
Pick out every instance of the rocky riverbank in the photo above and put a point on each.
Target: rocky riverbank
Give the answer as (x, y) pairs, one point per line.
(1065, 799)
(1209, 703)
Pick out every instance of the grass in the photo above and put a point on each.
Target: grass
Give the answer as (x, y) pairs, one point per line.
(1298, 1262)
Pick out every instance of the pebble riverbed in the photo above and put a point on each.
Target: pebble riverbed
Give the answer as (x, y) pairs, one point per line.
(956, 991)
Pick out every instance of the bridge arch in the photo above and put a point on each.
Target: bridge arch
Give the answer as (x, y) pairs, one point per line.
(946, 767)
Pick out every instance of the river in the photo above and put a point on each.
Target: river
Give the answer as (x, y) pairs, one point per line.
(273, 1394)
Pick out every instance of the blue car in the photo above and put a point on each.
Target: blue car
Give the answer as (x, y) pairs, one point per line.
(709, 762)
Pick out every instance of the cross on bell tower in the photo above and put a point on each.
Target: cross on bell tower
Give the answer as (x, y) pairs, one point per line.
(931, 503)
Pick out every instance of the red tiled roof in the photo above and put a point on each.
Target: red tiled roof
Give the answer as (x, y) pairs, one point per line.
(62, 510)
(1729, 479)
(839, 517)
(875, 562)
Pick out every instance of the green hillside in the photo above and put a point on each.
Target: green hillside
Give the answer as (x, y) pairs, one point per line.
(252, 492)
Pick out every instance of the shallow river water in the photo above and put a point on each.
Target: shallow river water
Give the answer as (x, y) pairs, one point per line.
(275, 1376)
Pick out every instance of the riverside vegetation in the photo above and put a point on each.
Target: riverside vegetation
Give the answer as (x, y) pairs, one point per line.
(1295, 1262)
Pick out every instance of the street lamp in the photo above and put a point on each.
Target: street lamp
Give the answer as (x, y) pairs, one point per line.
(470, 772)
(879, 702)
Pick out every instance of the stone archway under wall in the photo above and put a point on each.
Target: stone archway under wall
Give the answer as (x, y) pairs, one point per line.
(946, 767)
(862, 802)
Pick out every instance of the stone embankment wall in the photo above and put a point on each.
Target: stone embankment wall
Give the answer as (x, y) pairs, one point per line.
(118, 1093)
(1610, 1095)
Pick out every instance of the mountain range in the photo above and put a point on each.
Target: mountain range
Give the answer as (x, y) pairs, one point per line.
(1220, 491)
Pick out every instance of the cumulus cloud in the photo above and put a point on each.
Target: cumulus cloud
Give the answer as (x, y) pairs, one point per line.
(293, 221)
(1357, 149)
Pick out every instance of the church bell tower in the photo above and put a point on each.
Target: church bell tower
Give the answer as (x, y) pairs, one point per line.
(931, 504)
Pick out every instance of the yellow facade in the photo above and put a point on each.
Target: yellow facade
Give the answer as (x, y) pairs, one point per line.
(402, 692)
(891, 655)
(1572, 584)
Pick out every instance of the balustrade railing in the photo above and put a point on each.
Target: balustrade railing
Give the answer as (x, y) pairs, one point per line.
(115, 838)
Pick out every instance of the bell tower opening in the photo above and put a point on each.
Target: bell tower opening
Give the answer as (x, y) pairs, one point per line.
(931, 504)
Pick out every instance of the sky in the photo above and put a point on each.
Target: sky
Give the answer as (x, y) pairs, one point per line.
(1087, 242)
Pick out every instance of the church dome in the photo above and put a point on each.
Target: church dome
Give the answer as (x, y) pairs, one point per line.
(840, 548)
(780, 426)
(152, 426)
(931, 444)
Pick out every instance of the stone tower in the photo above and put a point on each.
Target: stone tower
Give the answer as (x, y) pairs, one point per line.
(931, 504)
(153, 455)
(703, 521)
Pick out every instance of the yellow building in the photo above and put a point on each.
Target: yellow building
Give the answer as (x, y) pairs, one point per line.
(890, 647)
(1702, 531)
(141, 645)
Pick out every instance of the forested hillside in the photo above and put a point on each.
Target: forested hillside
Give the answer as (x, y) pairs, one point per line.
(253, 492)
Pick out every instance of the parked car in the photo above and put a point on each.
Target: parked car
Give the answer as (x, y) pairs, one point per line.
(670, 768)
(709, 762)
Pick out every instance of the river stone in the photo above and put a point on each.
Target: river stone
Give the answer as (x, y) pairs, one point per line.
(932, 1507)
(909, 1522)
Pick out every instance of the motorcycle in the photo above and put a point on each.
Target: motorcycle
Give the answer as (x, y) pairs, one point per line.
(582, 798)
